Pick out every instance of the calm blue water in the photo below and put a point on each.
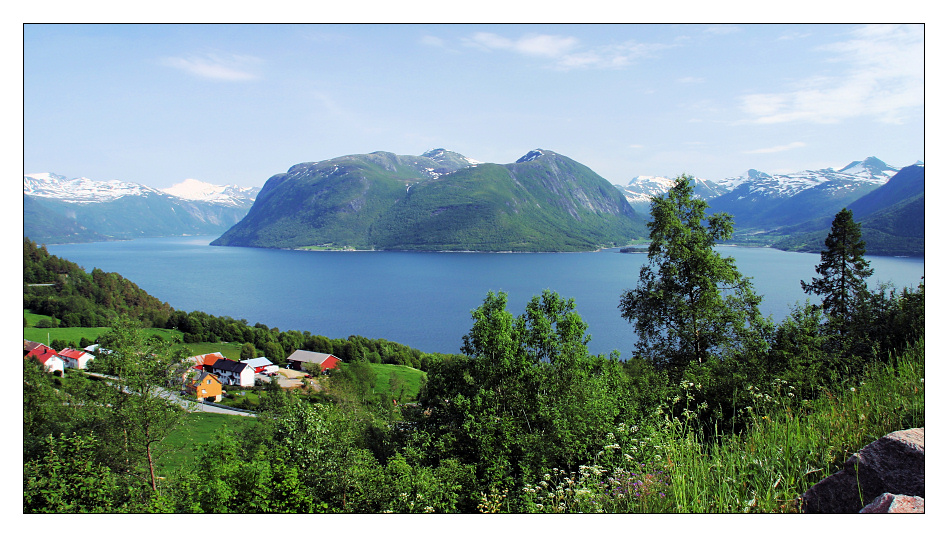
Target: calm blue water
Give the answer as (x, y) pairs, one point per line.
(422, 300)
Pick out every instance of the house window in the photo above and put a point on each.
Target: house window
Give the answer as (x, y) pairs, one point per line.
(208, 381)
(203, 391)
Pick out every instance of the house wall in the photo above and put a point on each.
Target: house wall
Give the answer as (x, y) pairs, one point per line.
(208, 389)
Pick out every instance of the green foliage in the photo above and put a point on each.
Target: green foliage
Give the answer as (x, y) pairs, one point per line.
(528, 395)
(79, 298)
(69, 479)
(140, 413)
(691, 304)
(842, 271)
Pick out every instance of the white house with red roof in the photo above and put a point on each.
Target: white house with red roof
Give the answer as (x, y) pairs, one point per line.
(44, 355)
(75, 359)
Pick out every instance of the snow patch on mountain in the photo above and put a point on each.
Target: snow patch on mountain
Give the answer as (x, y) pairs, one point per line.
(81, 189)
(192, 189)
(871, 171)
(85, 190)
(532, 155)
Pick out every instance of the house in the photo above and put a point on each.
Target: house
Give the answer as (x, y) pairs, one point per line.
(44, 355)
(201, 360)
(205, 386)
(75, 359)
(261, 365)
(231, 372)
(300, 357)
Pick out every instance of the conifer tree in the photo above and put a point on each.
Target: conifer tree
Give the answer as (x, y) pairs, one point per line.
(842, 271)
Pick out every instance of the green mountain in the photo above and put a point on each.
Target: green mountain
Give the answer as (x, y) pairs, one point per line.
(892, 218)
(438, 201)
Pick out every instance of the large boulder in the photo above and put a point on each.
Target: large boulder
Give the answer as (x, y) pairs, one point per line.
(894, 463)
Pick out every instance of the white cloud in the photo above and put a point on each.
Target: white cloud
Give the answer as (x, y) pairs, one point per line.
(777, 149)
(550, 46)
(880, 74)
(723, 29)
(216, 67)
(564, 51)
(432, 41)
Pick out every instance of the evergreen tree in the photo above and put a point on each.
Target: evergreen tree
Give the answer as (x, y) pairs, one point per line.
(691, 303)
(842, 271)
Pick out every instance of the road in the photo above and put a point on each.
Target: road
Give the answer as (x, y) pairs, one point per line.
(187, 404)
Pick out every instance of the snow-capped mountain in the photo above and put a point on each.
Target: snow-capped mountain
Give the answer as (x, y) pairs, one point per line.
(758, 199)
(233, 195)
(80, 189)
(642, 188)
(58, 209)
(761, 200)
(870, 171)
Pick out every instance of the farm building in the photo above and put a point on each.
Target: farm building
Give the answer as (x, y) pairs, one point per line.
(300, 357)
(261, 365)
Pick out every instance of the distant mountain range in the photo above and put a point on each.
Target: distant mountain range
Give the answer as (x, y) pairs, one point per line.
(57, 209)
(438, 201)
(442, 200)
(782, 209)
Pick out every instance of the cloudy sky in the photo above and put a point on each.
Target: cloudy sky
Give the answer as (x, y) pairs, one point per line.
(235, 104)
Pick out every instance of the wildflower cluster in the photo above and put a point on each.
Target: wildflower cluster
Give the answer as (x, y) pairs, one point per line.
(493, 502)
(617, 482)
(766, 401)
(410, 503)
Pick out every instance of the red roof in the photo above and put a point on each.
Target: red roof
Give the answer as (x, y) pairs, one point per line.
(42, 352)
(72, 353)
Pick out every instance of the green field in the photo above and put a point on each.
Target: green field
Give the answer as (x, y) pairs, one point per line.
(75, 334)
(406, 378)
(180, 448)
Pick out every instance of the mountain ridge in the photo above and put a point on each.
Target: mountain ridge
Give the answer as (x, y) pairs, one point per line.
(58, 209)
(543, 202)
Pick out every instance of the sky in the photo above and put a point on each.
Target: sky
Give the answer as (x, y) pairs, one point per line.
(235, 104)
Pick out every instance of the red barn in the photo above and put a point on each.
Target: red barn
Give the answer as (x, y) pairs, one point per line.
(300, 357)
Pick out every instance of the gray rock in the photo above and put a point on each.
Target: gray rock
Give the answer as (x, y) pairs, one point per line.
(895, 464)
(895, 503)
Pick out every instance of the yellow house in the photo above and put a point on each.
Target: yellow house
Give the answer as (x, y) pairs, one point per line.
(205, 387)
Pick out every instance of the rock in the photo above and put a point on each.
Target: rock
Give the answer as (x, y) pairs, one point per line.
(895, 503)
(893, 464)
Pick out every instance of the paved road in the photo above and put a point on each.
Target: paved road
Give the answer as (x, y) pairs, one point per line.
(186, 404)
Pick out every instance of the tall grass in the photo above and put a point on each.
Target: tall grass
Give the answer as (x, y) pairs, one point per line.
(671, 466)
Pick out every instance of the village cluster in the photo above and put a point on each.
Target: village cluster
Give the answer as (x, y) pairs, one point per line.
(205, 378)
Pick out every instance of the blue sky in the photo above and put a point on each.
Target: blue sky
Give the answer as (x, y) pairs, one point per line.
(235, 104)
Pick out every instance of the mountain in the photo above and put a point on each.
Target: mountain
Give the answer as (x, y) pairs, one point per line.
(892, 219)
(759, 200)
(641, 189)
(57, 209)
(228, 195)
(438, 201)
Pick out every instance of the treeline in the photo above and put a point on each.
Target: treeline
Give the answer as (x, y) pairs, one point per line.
(78, 298)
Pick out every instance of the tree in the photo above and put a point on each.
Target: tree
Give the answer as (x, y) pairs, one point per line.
(691, 303)
(142, 412)
(843, 271)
